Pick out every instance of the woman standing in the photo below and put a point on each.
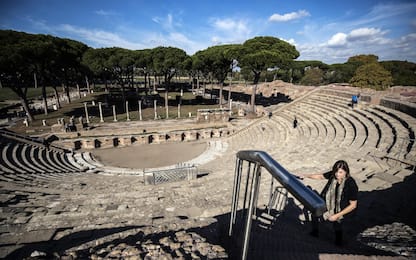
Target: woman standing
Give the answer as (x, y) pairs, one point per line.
(340, 194)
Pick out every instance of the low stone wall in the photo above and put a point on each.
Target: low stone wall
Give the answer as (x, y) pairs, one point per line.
(348, 94)
(148, 138)
(402, 106)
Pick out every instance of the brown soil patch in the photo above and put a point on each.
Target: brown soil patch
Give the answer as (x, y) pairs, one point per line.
(150, 155)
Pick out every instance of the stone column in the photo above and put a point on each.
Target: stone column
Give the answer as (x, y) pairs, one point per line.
(155, 107)
(127, 111)
(114, 113)
(253, 99)
(229, 88)
(140, 110)
(86, 113)
(101, 112)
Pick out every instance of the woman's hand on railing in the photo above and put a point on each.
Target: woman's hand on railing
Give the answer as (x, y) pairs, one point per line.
(300, 176)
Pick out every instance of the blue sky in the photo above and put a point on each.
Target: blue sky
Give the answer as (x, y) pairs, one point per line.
(330, 31)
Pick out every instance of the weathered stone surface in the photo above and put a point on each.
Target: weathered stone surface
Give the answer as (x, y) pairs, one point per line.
(117, 216)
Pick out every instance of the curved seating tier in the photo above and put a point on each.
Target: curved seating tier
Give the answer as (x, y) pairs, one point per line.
(27, 162)
(328, 130)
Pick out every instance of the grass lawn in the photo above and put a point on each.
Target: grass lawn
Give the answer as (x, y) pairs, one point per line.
(32, 93)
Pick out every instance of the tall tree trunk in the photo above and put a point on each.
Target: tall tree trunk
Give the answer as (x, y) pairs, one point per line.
(229, 89)
(45, 99)
(22, 94)
(88, 84)
(35, 79)
(58, 102)
(65, 90)
(123, 95)
(253, 99)
(256, 77)
(167, 103)
(132, 78)
(79, 91)
(25, 106)
(212, 87)
(221, 86)
(154, 84)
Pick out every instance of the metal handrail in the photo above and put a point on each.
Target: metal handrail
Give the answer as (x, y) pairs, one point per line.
(309, 198)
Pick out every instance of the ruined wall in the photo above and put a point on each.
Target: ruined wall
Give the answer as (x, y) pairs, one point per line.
(147, 138)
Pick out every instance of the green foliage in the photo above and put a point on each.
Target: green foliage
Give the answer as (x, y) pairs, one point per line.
(363, 59)
(340, 73)
(168, 61)
(261, 53)
(372, 75)
(216, 60)
(313, 77)
(403, 72)
(300, 67)
(32, 93)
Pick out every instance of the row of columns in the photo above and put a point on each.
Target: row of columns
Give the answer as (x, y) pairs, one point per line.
(128, 112)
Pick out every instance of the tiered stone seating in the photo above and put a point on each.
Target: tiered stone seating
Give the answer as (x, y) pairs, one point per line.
(328, 130)
(27, 163)
(407, 127)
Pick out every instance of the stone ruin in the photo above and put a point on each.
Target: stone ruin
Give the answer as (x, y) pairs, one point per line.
(213, 115)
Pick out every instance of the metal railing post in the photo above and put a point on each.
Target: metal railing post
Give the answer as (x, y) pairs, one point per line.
(236, 189)
(289, 183)
(252, 203)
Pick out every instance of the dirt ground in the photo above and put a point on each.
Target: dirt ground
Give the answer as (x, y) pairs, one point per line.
(150, 155)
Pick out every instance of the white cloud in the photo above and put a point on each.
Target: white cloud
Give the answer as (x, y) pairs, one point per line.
(364, 34)
(338, 40)
(180, 40)
(407, 42)
(360, 35)
(105, 13)
(291, 41)
(230, 25)
(39, 24)
(98, 37)
(289, 16)
(229, 30)
(384, 12)
(166, 23)
(402, 48)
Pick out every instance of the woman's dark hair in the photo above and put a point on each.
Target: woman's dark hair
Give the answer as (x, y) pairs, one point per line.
(341, 164)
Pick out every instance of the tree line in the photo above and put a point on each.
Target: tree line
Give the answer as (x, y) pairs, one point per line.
(28, 60)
